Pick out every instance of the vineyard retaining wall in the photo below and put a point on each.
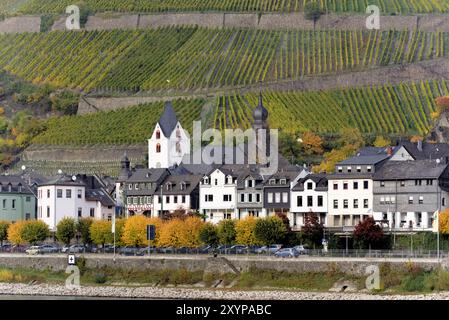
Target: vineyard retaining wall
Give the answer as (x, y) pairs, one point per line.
(102, 153)
(269, 21)
(21, 24)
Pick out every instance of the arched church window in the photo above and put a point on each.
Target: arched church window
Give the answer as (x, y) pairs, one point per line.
(158, 148)
(178, 147)
(178, 133)
(158, 134)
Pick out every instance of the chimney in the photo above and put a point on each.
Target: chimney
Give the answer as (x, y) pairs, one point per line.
(419, 145)
(390, 151)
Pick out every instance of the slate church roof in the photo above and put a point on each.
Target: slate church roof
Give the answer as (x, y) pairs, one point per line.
(168, 120)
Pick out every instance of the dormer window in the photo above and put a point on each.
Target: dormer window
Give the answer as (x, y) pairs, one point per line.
(136, 186)
(183, 185)
(369, 168)
(359, 169)
(130, 186)
(158, 134)
(169, 186)
(309, 185)
(1, 187)
(229, 180)
(283, 181)
(349, 169)
(20, 187)
(9, 187)
(205, 180)
(340, 169)
(250, 183)
(272, 181)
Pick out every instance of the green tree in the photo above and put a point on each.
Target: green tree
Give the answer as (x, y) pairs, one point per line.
(65, 230)
(270, 230)
(35, 231)
(83, 230)
(226, 232)
(209, 234)
(313, 11)
(101, 232)
(4, 225)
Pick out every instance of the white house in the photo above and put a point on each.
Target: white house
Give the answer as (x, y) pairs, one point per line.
(218, 195)
(350, 189)
(309, 195)
(75, 197)
(169, 141)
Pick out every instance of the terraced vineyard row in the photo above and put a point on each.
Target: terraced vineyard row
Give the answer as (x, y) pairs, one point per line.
(190, 58)
(387, 6)
(402, 109)
(122, 126)
(10, 6)
(405, 108)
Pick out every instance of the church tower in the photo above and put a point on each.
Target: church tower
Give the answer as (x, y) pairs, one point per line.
(260, 115)
(169, 141)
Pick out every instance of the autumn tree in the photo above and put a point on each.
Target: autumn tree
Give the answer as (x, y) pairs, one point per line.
(4, 225)
(382, 142)
(368, 234)
(135, 231)
(191, 232)
(226, 232)
(351, 137)
(333, 157)
(313, 229)
(65, 230)
(119, 228)
(209, 234)
(15, 233)
(442, 104)
(35, 231)
(245, 232)
(101, 232)
(416, 138)
(270, 230)
(443, 220)
(311, 143)
(171, 234)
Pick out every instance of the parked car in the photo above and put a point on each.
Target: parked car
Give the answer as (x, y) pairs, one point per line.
(33, 250)
(287, 253)
(303, 250)
(237, 249)
(48, 248)
(204, 249)
(223, 249)
(268, 249)
(132, 251)
(108, 248)
(18, 248)
(6, 247)
(74, 248)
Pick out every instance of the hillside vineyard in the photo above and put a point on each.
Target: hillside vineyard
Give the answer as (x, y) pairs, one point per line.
(401, 109)
(387, 6)
(189, 58)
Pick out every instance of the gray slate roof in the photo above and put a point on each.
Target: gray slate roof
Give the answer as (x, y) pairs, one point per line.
(364, 160)
(191, 183)
(319, 179)
(168, 120)
(148, 175)
(429, 150)
(14, 181)
(407, 170)
(100, 195)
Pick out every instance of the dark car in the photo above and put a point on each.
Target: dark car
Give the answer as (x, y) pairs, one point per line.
(132, 251)
(287, 253)
(108, 248)
(18, 249)
(6, 247)
(237, 249)
(205, 249)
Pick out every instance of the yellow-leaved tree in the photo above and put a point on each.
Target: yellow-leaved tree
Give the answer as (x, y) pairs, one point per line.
(135, 231)
(191, 232)
(381, 142)
(245, 232)
(171, 234)
(15, 232)
(444, 221)
(100, 232)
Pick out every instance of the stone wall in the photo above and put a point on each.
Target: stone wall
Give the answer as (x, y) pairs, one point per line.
(21, 24)
(269, 21)
(350, 265)
(84, 153)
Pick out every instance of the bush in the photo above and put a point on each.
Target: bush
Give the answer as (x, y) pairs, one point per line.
(65, 230)
(413, 283)
(100, 278)
(6, 275)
